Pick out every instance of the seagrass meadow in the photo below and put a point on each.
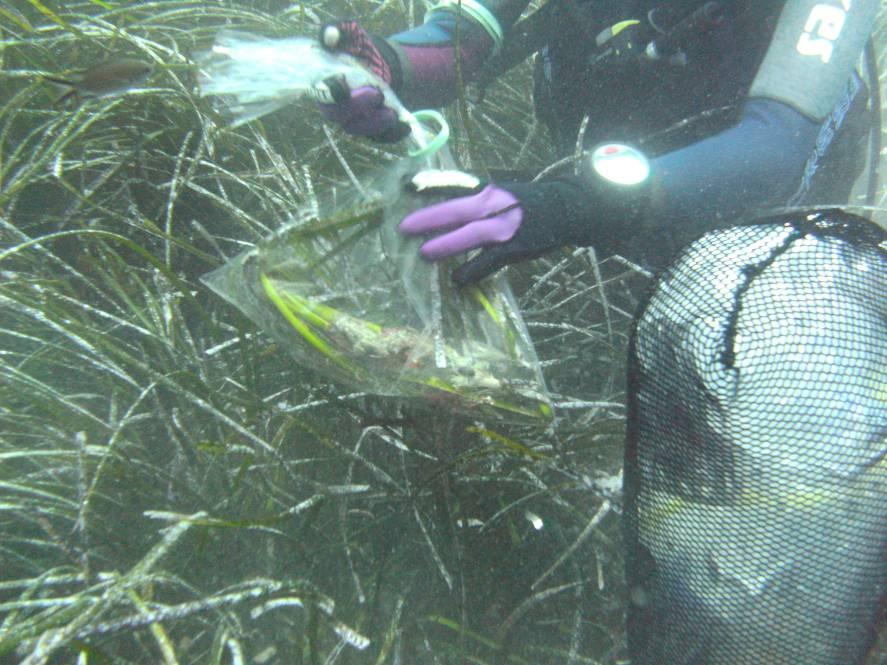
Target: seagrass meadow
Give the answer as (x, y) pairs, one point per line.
(173, 487)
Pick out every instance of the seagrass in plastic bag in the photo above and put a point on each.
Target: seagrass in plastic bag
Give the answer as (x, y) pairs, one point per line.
(348, 295)
(339, 287)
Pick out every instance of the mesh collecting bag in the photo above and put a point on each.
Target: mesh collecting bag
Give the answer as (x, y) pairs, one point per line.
(755, 476)
(349, 296)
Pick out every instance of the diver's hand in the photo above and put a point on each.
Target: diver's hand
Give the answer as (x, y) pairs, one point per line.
(609, 202)
(496, 218)
(361, 112)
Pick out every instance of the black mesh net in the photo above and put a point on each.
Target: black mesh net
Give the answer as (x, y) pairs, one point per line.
(755, 476)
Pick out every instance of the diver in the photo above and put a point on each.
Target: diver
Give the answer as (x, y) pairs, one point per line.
(756, 463)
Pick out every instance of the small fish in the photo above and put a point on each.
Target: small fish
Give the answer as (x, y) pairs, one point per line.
(105, 80)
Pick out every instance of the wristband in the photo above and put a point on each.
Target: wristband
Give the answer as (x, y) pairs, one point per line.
(474, 10)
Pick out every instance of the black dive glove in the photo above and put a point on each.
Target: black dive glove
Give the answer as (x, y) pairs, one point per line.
(519, 221)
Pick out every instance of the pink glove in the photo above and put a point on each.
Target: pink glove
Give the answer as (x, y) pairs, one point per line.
(489, 217)
(511, 223)
(361, 112)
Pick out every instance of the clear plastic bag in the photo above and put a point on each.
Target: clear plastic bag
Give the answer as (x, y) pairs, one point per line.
(343, 291)
(251, 76)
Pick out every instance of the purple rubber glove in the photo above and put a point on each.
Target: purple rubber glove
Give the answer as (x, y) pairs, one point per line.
(512, 223)
(520, 221)
(361, 112)
(489, 217)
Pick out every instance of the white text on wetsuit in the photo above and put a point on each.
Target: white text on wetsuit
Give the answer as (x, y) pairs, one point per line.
(822, 30)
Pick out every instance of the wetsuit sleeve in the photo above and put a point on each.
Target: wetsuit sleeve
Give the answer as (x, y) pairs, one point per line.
(758, 163)
(426, 54)
(813, 52)
(755, 165)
